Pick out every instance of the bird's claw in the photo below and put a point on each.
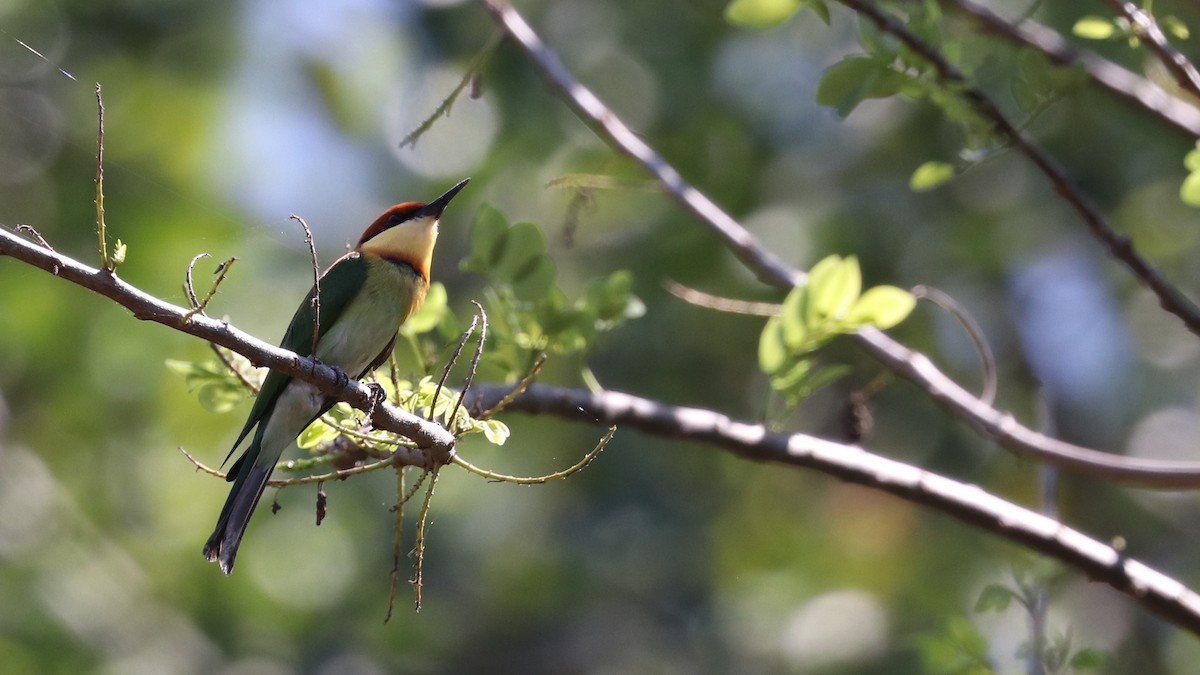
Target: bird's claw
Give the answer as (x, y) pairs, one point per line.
(378, 397)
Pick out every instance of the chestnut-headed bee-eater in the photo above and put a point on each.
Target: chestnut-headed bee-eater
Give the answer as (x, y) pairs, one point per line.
(364, 297)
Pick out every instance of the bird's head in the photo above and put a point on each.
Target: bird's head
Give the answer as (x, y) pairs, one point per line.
(408, 231)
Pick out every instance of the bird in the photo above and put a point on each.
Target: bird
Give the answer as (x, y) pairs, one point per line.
(363, 298)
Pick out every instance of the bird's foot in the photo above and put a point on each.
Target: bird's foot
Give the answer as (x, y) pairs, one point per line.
(378, 397)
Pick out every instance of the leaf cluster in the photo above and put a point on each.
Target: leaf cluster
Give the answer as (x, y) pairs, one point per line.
(829, 304)
(531, 313)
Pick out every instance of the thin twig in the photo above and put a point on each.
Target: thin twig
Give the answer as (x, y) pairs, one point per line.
(521, 386)
(987, 360)
(483, 326)
(462, 342)
(100, 228)
(744, 245)
(398, 458)
(699, 298)
(29, 229)
(198, 306)
(403, 495)
(470, 76)
(316, 270)
(538, 480)
(1148, 30)
(418, 580)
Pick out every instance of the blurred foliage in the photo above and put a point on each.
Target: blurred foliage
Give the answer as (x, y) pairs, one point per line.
(222, 118)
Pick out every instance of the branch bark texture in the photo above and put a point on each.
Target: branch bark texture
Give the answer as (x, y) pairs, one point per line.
(1099, 561)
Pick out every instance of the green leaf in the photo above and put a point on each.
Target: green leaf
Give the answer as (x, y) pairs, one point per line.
(794, 325)
(994, 598)
(1189, 192)
(118, 254)
(1192, 160)
(848, 82)
(772, 351)
(833, 287)
(931, 174)
(495, 431)
(882, 307)
(609, 298)
(1174, 26)
(519, 252)
(317, 433)
(760, 13)
(1027, 100)
(535, 280)
(820, 8)
(1094, 28)
(431, 313)
(1088, 659)
(487, 234)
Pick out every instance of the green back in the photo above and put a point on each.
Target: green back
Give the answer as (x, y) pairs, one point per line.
(339, 285)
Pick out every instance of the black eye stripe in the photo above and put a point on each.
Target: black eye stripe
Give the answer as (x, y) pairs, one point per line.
(395, 219)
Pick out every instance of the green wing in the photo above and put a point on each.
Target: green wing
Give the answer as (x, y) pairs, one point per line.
(339, 284)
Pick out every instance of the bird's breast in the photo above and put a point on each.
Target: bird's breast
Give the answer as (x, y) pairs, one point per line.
(390, 294)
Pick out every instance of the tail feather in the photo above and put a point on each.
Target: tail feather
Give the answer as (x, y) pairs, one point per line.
(249, 484)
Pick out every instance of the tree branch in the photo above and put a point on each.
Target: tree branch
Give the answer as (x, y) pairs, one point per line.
(899, 359)
(1146, 28)
(1153, 590)
(330, 381)
(1118, 245)
(1125, 85)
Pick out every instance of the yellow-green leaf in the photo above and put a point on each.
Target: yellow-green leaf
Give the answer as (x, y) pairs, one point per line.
(772, 352)
(930, 175)
(1094, 28)
(1189, 192)
(833, 287)
(882, 307)
(760, 13)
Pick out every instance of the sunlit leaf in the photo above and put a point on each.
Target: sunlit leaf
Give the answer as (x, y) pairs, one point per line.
(1189, 192)
(1094, 28)
(772, 351)
(882, 307)
(495, 431)
(760, 13)
(931, 175)
(317, 433)
(1192, 160)
(1174, 26)
(833, 288)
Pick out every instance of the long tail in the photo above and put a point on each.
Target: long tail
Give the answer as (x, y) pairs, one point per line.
(249, 483)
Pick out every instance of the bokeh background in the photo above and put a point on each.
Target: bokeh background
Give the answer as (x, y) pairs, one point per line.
(225, 117)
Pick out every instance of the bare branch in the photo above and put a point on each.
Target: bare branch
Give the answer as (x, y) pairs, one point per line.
(1146, 28)
(1124, 84)
(744, 245)
(149, 308)
(1149, 588)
